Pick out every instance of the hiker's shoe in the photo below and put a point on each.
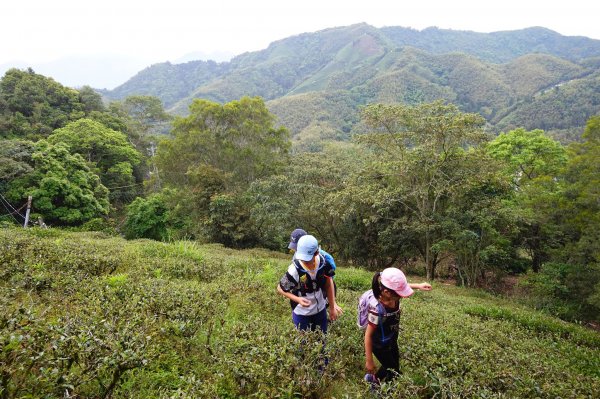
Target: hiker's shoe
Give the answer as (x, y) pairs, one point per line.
(372, 380)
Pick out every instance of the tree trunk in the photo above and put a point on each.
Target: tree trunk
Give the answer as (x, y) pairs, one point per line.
(536, 248)
(429, 265)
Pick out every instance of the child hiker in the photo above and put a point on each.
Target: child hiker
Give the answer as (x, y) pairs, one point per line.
(293, 245)
(380, 308)
(306, 283)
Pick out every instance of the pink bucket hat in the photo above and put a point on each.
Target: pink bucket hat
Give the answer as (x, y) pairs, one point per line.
(394, 279)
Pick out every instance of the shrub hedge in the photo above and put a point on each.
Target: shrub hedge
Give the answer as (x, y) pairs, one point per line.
(91, 315)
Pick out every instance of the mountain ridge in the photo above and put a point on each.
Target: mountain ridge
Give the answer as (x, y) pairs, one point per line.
(495, 74)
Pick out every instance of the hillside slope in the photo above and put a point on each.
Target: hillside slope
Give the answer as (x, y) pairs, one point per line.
(93, 316)
(494, 74)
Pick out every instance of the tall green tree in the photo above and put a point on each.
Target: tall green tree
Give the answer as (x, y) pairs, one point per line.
(147, 122)
(15, 159)
(307, 194)
(580, 206)
(534, 162)
(238, 138)
(579, 214)
(64, 189)
(421, 152)
(32, 105)
(91, 100)
(480, 226)
(147, 115)
(108, 152)
(214, 155)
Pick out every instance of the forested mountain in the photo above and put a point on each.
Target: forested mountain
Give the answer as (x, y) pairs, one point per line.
(534, 78)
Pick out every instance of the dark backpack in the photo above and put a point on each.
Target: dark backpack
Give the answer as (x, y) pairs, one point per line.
(305, 283)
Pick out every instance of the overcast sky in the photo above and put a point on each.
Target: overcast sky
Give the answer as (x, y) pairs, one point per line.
(35, 31)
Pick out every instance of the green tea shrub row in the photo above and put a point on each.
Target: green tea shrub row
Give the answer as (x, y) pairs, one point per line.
(538, 323)
(217, 329)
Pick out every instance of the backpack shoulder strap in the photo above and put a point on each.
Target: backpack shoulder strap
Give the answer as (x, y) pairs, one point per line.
(322, 261)
(298, 265)
(380, 313)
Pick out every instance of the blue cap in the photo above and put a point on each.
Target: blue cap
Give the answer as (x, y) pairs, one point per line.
(307, 247)
(294, 237)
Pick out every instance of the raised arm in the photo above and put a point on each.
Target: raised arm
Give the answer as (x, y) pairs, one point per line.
(420, 286)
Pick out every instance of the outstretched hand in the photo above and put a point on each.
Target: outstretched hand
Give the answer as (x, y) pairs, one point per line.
(425, 287)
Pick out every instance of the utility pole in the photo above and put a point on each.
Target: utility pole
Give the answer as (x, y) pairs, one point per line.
(27, 213)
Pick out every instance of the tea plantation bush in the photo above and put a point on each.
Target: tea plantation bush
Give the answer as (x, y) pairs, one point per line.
(88, 315)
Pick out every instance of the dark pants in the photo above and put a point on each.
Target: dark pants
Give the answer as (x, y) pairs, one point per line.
(313, 322)
(389, 357)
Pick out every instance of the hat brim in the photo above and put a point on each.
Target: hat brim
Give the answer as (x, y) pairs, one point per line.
(304, 257)
(293, 245)
(405, 293)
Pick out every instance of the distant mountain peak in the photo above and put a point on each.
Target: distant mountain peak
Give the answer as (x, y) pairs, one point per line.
(325, 76)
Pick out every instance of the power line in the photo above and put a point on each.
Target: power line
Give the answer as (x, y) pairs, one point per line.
(4, 203)
(12, 207)
(131, 185)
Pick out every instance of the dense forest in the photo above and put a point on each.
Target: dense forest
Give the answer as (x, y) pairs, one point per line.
(146, 210)
(425, 186)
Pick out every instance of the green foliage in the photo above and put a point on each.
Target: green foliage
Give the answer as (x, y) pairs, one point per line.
(533, 161)
(528, 154)
(109, 153)
(566, 290)
(421, 167)
(91, 100)
(214, 156)
(64, 190)
(32, 106)
(310, 194)
(570, 285)
(480, 226)
(237, 138)
(147, 114)
(273, 209)
(579, 206)
(229, 221)
(118, 320)
(557, 210)
(15, 159)
(147, 218)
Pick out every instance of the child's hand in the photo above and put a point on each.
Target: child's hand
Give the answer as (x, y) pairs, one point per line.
(370, 366)
(333, 313)
(339, 310)
(304, 302)
(425, 287)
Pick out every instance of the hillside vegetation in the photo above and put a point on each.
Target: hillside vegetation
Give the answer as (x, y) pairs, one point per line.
(514, 79)
(89, 315)
(429, 184)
